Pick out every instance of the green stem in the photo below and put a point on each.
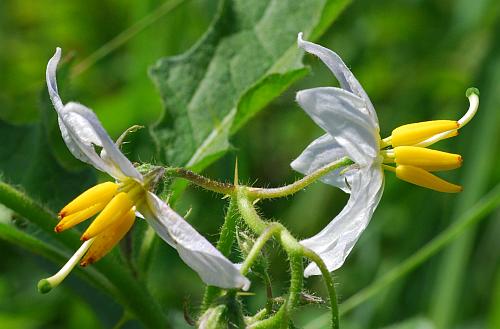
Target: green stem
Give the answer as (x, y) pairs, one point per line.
(225, 243)
(228, 229)
(296, 280)
(329, 285)
(254, 253)
(278, 320)
(35, 213)
(293, 249)
(278, 192)
(257, 192)
(146, 251)
(204, 182)
(248, 212)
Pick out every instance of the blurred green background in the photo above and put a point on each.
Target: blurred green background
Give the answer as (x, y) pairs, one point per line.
(414, 58)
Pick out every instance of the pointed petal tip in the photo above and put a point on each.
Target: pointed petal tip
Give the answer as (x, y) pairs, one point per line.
(58, 52)
(300, 37)
(50, 76)
(302, 96)
(245, 285)
(311, 270)
(300, 40)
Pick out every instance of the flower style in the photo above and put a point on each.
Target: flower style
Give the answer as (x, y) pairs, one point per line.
(351, 125)
(117, 203)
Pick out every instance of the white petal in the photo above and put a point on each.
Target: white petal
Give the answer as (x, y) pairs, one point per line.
(336, 111)
(334, 243)
(50, 76)
(82, 131)
(213, 268)
(342, 73)
(320, 153)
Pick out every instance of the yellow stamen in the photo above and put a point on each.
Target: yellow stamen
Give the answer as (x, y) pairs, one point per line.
(415, 133)
(105, 241)
(78, 217)
(424, 178)
(101, 193)
(427, 159)
(112, 213)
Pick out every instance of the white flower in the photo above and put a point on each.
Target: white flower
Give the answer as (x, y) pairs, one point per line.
(118, 202)
(351, 125)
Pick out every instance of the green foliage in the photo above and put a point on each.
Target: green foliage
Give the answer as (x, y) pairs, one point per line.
(414, 59)
(247, 57)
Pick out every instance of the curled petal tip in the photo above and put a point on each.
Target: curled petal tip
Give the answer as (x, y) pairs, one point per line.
(300, 40)
(50, 76)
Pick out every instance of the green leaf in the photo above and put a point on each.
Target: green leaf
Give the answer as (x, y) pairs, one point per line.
(247, 58)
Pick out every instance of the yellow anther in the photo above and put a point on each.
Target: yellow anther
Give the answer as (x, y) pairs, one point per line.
(430, 160)
(110, 215)
(78, 217)
(415, 133)
(101, 193)
(424, 178)
(105, 241)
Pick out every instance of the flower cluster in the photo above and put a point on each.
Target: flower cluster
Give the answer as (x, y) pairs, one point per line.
(117, 203)
(351, 127)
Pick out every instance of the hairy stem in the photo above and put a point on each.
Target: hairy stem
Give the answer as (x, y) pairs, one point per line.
(268, 233)
(293, 249)
(278, 192)
(225, 243)
(329, 285)
(227, 232)
(202, 181)
(258, 192)
(296, 280)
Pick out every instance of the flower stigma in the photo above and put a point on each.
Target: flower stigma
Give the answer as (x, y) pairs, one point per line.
(406, 148)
